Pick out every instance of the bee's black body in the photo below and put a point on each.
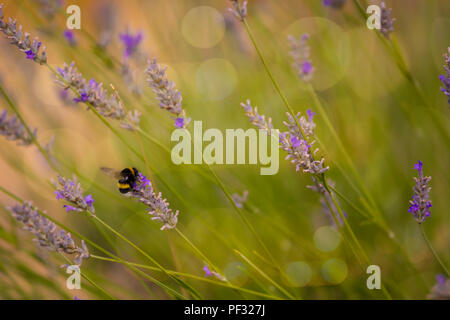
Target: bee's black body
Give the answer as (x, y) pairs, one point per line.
(127, 179)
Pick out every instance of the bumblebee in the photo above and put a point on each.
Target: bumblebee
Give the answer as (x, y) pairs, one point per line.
(126, 178)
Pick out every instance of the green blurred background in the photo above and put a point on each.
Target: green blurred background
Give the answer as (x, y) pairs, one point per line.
(382, 122)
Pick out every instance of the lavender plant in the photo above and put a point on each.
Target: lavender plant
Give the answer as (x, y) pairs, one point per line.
(238, 10)
(31, 48)
(300, 54)
(13, 129)
(72, 192)
(295, 140)
(441, 290)
(328, 207)
(387, 23)
(240, 200)
(420, 203)
(94, 95)
(159, 207)
(445, 78)
(335, 4)
(166, 93)
(46, 233)
(131, 42)
(69, 35)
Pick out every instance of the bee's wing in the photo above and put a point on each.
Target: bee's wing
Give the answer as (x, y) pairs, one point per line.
(111, 172)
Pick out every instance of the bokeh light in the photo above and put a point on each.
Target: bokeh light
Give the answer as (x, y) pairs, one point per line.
(327, 238)
(299, 273)
(334, 271)
(203, 27)
(216, 79)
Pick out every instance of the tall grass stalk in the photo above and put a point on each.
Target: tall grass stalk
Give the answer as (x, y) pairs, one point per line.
(35, 141)
(291, 111)
(434, 253)
(191, 276)
(96, 246)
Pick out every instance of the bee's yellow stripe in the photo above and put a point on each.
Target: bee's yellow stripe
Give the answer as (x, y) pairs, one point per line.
(123, 185)
(132, 171)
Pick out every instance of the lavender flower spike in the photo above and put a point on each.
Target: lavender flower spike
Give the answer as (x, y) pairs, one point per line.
(445, 78)
(335, 4)
(293, 141)
(240, 12)
(69, 35)
(297, 146)
(131, 42)
(240, 200)
(159, 207)
(441, 290)
(93, 94)
(72, 192)
(387, 23)
(300, 54)
(46, 233)
(168, 96)
(14, 130)
(22, 40)
(420, 203)
(257, 119)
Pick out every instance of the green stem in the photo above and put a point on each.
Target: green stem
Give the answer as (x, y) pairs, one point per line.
(96, 246)
(196, 250)
(91, 281)
(176, 279)
(352, 234)
(191, 276)
(34, 139)
(265, 276)
(430, 246)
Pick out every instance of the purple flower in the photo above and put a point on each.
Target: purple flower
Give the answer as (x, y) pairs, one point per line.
(240, 200)
(418, 166)
(307, 67)
(387, 23)
(296, 142)
(158, 206)
(440, 278)
(46, 233)
(82, 98)
(93, 84)
(310, 115)
(441, 290)
(131, 42)
(30, 54)
(59, 196)
(70, 37)
(257, 119)
(238, 10)
(72, 192)
(89, 200)
(300, 55)
(69, 208)
(420, 203)
(208, 272)
(92, 92)
(22, 40)
(179, 122)
(166, 93)
(445, 78)
(13, 129)
(333, 3)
